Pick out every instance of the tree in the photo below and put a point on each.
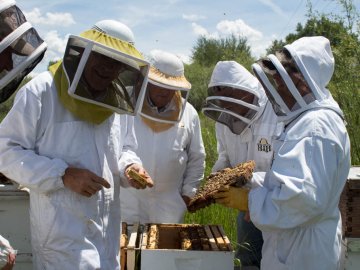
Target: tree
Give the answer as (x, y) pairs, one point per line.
(208, 51)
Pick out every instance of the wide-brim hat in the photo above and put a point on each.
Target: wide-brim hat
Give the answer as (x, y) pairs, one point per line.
(167, 70)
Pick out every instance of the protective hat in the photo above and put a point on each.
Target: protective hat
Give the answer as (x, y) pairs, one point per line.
(115, 29)
(167, 76)
(21, 48)
(235, 97)
(295, 78)
(103, 68)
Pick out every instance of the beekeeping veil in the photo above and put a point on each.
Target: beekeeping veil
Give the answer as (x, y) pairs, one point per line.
(167, 74)
(235, 97)
(21, 48)
(296, 77)
(104, 69)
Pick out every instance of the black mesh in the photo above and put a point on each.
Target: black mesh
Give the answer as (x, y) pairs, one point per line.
(17, 17)
(11, 87)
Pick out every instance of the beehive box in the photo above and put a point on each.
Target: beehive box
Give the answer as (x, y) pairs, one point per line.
(350, 204)
(176, 246)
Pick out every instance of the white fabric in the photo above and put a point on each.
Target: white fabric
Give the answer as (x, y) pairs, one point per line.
(115, 29)
(5, 250)
(314, 58)
(175, 160)
(167, 63)
(6, 4)
(296, 208)
(232, 74)
(39, 139)
(233, 149)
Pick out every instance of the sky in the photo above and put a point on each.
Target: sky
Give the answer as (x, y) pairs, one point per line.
(172, 25)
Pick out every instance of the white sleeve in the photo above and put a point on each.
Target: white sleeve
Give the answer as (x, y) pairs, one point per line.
(223, 157)
(195, 166)
(18, 158)
(298, 186)
(128, 155)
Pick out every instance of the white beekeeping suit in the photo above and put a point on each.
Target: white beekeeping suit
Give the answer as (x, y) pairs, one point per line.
(51, 131)
(254, 142)
(296, 206)
(169, 144)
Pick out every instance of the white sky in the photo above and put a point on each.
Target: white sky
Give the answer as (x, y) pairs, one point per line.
(171, 25)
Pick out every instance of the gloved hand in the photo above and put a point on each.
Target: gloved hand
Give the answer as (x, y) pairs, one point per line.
(233, 197)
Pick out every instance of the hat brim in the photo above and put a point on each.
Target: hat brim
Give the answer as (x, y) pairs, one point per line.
(176, 82)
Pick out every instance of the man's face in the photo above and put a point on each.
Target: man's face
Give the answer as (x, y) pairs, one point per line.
(226, 91)
(160, 96)
(100, 71)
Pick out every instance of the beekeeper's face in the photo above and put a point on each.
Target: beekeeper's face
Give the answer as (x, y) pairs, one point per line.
(160, 96)
(100, 71)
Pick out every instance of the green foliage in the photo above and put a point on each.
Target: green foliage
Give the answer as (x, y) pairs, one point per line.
(317, 25)
(209, 51)
(199, 77)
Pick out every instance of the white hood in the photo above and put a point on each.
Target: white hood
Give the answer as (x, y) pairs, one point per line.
(231, 73)
(234, 75)
(315, 61)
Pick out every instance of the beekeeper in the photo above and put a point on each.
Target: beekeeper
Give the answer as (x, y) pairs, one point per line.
(296, 206)
(63, 141)
(246, 127)
(21, 48)
(170, 146)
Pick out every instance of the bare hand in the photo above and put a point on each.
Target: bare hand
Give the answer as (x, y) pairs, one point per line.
(143, 173)
(83, 181)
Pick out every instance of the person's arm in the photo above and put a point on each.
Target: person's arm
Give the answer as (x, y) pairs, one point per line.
(195, 166)
(128, 155)
(299, 184)
(223, 160)
(18, 132)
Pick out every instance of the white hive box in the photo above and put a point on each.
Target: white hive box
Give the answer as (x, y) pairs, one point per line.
(208, 247)
(15, 223)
